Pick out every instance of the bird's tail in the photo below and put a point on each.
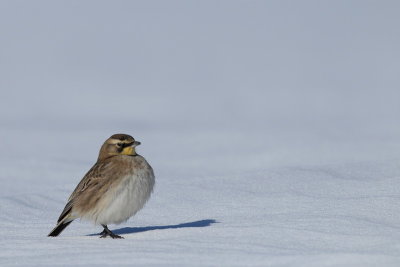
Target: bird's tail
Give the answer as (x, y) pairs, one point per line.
(59, 228)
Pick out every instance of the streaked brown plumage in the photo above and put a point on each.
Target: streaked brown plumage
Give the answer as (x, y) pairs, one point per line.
(113, 190)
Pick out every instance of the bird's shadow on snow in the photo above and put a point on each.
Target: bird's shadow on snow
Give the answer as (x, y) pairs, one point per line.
(131, 230)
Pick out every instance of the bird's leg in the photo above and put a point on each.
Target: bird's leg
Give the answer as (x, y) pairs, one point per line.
(106, 232)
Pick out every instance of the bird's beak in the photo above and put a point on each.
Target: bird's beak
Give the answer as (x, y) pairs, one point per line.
(136, 143)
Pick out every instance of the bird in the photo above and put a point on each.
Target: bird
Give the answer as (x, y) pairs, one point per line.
(113, 190)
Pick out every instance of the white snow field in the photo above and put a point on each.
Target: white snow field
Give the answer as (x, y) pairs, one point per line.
(272, 127)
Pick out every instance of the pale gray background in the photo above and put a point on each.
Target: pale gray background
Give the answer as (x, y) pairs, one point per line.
(250, 73)
(226, 64)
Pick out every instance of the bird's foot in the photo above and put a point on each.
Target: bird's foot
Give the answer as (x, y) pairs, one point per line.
(113, 236)
(106, 232)
(103, 233)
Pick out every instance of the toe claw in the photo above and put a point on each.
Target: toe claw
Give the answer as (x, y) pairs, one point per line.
(114, 236)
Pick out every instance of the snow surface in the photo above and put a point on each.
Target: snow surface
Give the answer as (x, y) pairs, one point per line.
(273, 130)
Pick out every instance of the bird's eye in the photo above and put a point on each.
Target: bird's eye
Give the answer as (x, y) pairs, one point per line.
(119, 144)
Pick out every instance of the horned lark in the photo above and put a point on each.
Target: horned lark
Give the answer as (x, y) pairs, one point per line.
(113, 190)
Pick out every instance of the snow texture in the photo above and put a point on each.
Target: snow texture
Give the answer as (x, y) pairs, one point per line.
(272, 127)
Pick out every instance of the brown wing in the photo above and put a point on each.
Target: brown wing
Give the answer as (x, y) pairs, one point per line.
(93, 176)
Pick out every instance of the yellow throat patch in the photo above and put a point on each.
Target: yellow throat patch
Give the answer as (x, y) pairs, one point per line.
(128, 151)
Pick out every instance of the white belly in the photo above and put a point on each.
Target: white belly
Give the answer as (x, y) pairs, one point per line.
(127, 198)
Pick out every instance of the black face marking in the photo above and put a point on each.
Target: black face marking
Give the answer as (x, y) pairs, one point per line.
(128, 144)
(123, 145)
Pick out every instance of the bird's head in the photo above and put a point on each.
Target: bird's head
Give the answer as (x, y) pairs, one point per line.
(118, 144)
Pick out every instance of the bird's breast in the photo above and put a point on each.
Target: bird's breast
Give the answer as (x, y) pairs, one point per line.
(127, 197)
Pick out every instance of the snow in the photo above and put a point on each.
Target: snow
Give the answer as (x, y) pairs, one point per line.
(273, 130)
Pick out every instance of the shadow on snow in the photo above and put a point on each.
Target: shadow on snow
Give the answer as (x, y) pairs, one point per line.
(131, 230)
